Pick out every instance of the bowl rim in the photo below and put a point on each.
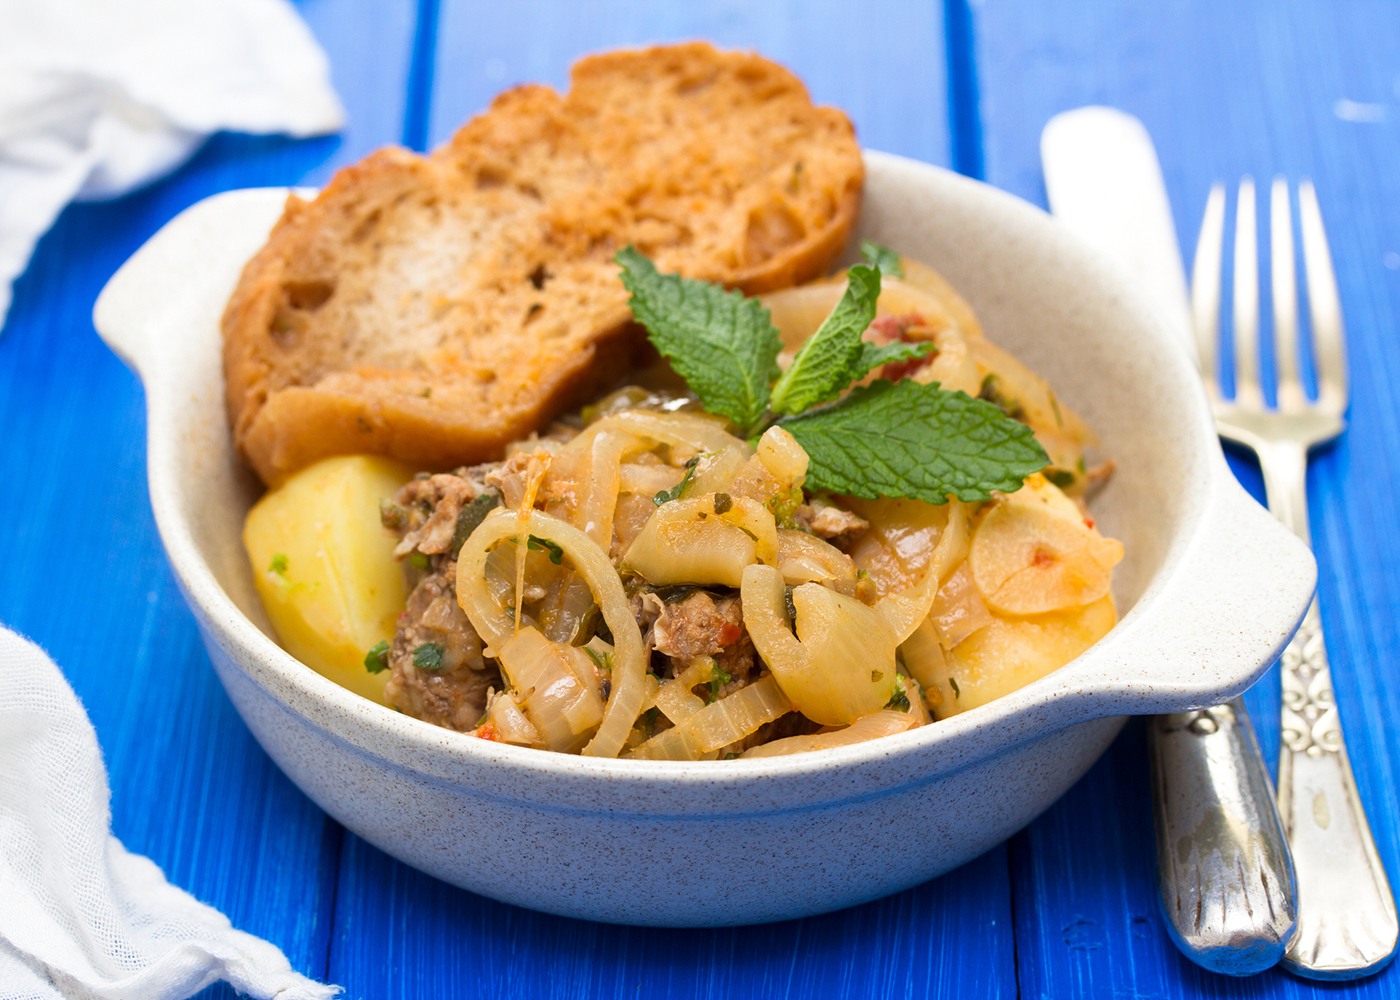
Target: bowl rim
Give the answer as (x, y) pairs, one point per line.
(138, 307)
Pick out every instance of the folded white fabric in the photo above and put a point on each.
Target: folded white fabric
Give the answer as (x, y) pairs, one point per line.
(82, 917)
(98, 97)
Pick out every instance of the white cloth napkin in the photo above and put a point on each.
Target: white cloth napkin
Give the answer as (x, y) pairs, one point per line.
(79, 915)
(98, 97)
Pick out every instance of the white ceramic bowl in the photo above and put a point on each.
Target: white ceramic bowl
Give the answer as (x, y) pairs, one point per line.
(1210, 590)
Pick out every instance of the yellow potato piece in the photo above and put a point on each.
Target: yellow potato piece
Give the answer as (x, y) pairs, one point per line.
(1010, 653)
(324, 567)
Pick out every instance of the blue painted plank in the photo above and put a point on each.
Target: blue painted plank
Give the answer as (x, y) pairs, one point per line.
(1226, 89)
(86, 577)
(401, 934)
(882, 64)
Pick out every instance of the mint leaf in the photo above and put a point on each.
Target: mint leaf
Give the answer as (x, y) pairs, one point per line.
(722, 344)
(831, 358)
(904, 439)
(882, 258)
(877, 355)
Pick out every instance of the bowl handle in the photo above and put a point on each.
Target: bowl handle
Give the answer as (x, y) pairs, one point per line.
(163, 284)
(1223, 615)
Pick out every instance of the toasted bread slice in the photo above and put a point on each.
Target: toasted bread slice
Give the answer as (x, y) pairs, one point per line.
(435, 308)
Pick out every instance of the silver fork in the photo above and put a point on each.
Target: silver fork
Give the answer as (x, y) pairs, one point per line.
(1345, 910)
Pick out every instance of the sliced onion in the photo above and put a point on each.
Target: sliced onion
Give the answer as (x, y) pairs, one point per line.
(905, 610)
(510, 722)
(719, 724)
(716, 471)
(686, 541)
(840, 665)
(562, 707)
(805, 558)
(692, 430)
(958, 609)
(923, 656)
(871, 727)
(781, 455)
(494, 624)
(675, 698)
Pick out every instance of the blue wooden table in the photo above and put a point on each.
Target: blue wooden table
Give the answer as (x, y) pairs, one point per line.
(1067, 906)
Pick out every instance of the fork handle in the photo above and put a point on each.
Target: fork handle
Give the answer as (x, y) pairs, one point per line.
(1223, 870)
(1346, 913)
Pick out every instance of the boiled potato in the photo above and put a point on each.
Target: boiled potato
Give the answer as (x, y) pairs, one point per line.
(324, 566)
(1010, 653)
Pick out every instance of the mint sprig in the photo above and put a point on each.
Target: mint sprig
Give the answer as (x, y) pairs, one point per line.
(903, 439)
(721, 343)
(835, 356)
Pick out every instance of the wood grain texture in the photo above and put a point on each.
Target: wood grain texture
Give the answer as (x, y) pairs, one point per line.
(86, 576)
(401, 934)
(1226, 89)
(882, 63)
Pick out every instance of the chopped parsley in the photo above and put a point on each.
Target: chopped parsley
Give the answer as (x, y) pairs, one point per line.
(278, 565)
(377, 659)
(899, 701)
(417, 560)
(428, 656)
(1062, 478)
(603, 661)
(675, 492)
(718, 679)
(538, 544)
(469, 518)
(953, 683)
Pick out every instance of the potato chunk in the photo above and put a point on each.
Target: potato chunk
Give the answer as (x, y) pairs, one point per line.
(1010, 653)
(324, 566)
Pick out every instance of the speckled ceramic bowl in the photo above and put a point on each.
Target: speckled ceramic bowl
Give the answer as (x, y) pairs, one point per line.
(1210, 590)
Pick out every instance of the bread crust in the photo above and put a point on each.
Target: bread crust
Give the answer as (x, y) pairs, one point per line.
(435, 308)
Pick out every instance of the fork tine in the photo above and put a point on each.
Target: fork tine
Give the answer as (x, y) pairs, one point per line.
(1205, 286)
(1283, 284)
(1324, 304)
(1247, 391)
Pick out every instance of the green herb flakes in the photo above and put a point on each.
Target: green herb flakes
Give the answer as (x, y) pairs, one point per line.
(677, 491)
(538, 544)
(428, 656)
(469, 518)
(278, 565)
(899, 701)
(377, 659)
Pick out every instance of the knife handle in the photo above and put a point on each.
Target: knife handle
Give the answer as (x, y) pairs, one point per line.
(1223, 866)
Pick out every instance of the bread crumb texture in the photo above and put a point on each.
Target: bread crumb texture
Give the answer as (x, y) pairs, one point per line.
(434, 308)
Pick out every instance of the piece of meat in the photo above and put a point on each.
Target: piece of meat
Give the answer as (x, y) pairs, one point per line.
(835, 524)
(431, 506)
(698, 626)
(453, 694)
